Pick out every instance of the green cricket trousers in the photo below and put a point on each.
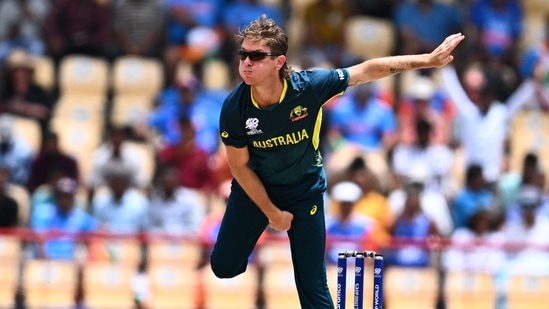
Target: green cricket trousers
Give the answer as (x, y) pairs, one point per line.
(243, 223)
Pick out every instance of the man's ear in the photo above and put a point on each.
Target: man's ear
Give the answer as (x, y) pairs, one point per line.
(280, 60)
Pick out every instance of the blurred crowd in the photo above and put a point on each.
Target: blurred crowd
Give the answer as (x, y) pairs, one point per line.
(453, 155)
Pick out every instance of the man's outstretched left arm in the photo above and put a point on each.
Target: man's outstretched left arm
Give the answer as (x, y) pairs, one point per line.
(378, 68)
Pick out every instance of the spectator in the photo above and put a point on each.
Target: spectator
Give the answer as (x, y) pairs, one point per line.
(365, 122)
(423, 24)
(191, 160)
(534, 68)
(51, 158)
(510, 183)
(497, 29)
(15, 153)
(22, 96)
(175, 210)
(527, 234)
(424, 100)
(115, 153)
(476, 247)
(433, 203)
(10, 215)
(324, 25)
(61, 217)
(411, 229)
(379, 9)
(237, 14)
(220, 166)
(347, 229)
(435, 159)
(372, 204)
(474, 196)
(18, 193)
(482, 119)
(192, 30)
(139, 27)
(529, 196)
(77, 27)
(45, 193)
(121, 209)
(211, 223)
(21, 26)
(186, 98)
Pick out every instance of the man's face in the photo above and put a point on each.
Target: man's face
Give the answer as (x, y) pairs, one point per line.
(170, 179)
(474, 81)
(259, 71)
(118, 184)
(65, 201)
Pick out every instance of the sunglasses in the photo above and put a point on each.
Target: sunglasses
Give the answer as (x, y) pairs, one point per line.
(254, 55)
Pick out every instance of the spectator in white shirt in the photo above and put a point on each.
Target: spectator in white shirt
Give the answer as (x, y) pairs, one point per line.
(435, 159)
(175, 210)
(433, 203)
(121, 208)
(476, 247)
(116, 152)
(528, 235)
(482, 119)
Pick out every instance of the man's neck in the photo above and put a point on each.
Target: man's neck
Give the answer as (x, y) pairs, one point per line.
(267, 95)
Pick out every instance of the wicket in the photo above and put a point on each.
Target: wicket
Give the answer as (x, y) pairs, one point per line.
(359, 278)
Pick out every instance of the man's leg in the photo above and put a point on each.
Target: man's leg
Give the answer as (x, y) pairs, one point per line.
(242, 224)
(308, 242)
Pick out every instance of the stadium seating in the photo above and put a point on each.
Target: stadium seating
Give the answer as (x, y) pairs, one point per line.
(109, 285)
(535, 7)
(137, 76)
(83, 76)
(44, 72)
(238, 292)
(8, 281)
(528, 292)
(28, 130)
(469, 290)
(279, 282)
(9, 265)
(78, 117)
(411, 288)
(130, 110)
(534, 29)
(79, 137)
(135, 83)
(369, 37)
(528, 135)
(173, 273)
(49, 284)
(216, 75)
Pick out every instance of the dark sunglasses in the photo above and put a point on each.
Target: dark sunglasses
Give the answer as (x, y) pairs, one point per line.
(254, 55)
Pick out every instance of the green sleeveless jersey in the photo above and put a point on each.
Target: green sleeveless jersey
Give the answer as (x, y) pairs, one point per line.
(283, 139)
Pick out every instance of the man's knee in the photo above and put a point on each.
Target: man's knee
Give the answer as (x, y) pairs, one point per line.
(222, 268)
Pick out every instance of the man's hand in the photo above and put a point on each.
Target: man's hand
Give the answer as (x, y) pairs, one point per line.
(282, 221)
(442, 55)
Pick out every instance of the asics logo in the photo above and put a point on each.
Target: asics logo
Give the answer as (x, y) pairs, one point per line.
(313, 210)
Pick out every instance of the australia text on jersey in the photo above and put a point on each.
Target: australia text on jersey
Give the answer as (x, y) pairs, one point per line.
(282, 140)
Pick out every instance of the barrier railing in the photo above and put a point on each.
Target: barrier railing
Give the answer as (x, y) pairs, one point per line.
(171, 272)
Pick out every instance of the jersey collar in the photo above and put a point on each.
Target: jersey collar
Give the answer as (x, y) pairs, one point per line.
(282, 95)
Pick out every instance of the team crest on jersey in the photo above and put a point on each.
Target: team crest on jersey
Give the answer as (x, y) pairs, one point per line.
(251, 126)
(298, 112)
